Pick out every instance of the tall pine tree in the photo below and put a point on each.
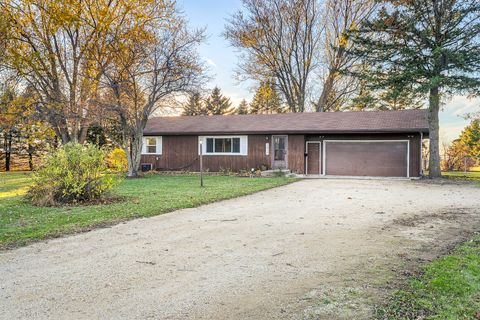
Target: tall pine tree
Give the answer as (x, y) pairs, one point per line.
(242, 107)
(266, 100)
(217, 103)
(431, 47)
(194, 106)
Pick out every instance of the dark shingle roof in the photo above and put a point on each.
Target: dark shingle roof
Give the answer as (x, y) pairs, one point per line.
(308, 122)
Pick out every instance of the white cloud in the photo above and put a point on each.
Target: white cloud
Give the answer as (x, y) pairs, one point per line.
(452, 119)
(210, 62)
(461, 105)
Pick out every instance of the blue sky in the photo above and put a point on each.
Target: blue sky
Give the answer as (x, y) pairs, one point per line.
(222, 59)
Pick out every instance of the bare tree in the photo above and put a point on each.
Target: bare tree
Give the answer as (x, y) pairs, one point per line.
(341, 16)
(278, 39)
(148, 71)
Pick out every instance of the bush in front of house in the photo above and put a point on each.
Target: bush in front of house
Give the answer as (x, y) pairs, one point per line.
(71, 174)
(117, 160)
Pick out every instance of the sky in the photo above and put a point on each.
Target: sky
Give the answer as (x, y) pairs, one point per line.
(222, 60)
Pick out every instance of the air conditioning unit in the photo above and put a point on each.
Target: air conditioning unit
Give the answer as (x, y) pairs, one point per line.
(146, 167)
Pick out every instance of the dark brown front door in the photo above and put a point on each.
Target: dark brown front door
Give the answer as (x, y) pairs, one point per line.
(280, 150)
(367, 158)
(313, 158)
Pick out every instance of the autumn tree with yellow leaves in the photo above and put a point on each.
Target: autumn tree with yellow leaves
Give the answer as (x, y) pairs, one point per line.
(92, 60)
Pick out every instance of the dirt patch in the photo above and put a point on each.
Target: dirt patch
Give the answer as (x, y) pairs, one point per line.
(424, 237)
(315, 249)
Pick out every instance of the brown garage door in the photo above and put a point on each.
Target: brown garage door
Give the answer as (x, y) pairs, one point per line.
(366, 158)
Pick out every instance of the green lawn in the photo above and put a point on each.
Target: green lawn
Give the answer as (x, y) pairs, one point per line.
(22, 223)
(449, 288)
(470, 175)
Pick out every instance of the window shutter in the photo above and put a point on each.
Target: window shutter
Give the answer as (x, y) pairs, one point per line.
(244, 145)
(159, 145)
(144, 145)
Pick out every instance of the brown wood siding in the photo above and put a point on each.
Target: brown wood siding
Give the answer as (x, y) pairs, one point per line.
(414, 139)
(181, 153)
(296, 153)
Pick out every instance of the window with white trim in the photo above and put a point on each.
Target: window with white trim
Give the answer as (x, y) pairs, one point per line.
(152, 145)
(224, 145)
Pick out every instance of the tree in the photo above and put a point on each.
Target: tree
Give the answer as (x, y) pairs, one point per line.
(455, 156)
(59, 48)
(429, 47)
(156, 62)
(341, 16)
(278, 39)
(387, 98)
(470, 138)
(243, 107)
(194, 105)
(266, 100)
(24, 133)
(217, 103)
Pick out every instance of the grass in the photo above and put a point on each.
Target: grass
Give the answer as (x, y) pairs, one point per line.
(448, 288)
(469, 175)
(22, 223)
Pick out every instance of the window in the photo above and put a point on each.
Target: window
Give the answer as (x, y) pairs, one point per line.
(225, 145)
(152, 145)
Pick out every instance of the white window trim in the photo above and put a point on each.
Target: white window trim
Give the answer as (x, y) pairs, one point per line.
(243, 146)
(159, 145)
(324, 150)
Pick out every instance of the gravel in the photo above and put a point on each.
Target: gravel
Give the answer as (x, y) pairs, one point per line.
(280, 253)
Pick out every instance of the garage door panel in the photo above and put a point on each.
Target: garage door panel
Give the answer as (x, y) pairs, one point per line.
(386, 159)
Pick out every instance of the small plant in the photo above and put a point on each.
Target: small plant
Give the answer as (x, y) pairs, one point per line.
(73, 173)
(226, 172)
(117, 160)
(279, 173)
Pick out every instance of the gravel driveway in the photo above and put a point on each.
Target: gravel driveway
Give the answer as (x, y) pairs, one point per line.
(312, 249)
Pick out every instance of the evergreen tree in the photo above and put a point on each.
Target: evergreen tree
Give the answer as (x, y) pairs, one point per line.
(266, 100)
(217, 103)
(429, 47)
(242, 107)
(194, 106)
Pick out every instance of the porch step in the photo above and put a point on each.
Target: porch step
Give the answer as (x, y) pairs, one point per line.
(276, 172)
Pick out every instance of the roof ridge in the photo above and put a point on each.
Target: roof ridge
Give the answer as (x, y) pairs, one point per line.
(289, 113)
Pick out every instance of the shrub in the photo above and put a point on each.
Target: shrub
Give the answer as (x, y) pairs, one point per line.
(117, 160)
(73, 173)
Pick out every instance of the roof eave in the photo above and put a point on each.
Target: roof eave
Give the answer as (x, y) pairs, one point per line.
(358, 131)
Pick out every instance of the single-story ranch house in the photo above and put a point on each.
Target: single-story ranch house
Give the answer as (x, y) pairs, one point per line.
(369, 143)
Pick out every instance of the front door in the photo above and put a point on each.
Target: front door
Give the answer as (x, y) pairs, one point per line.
(280, 149)
(313, 157)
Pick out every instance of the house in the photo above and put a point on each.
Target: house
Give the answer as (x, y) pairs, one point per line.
(367, 143)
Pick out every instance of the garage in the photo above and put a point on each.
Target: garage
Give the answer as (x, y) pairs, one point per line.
(376, 158)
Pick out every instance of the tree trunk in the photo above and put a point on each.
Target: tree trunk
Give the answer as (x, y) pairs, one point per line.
(327, 89)
(433, 123)
(134, 153)
(30, 157)
(8, 150)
